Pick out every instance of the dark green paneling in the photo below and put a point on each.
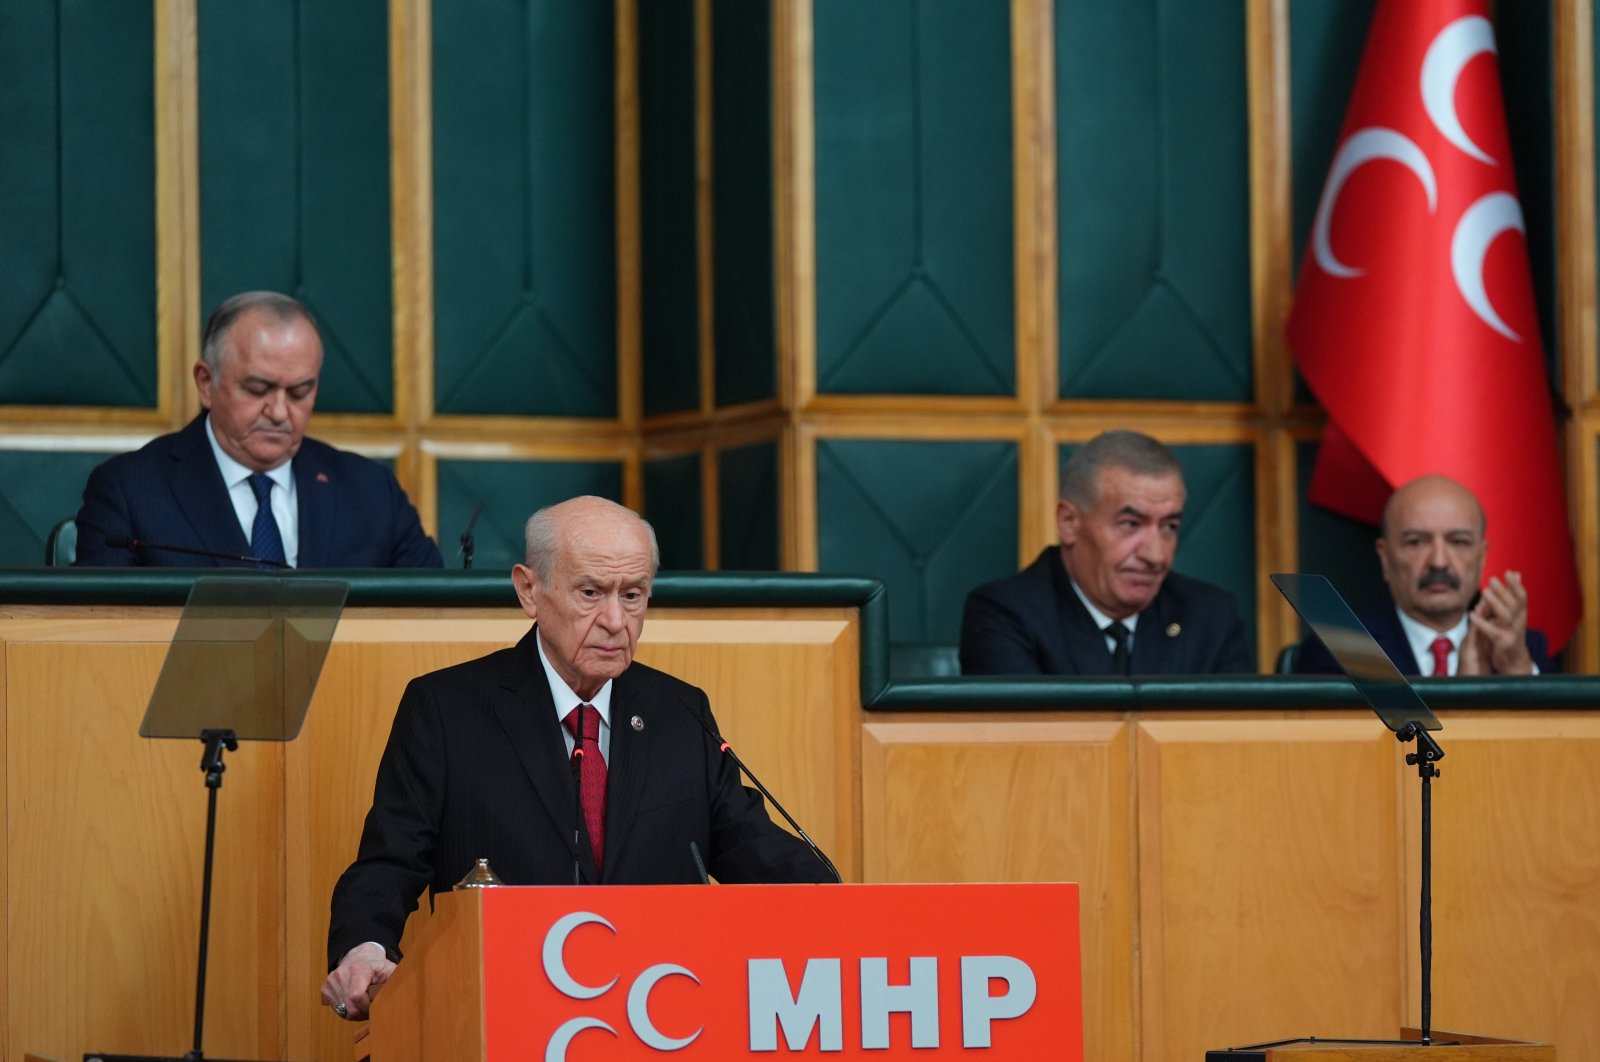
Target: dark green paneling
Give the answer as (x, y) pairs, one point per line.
(1527, 77)
(1153, 136)
(747, 508)
(672, 505)
(294, 176)
(1325, 43)
(931, 519)
(37, 490)
(1337, 546)
(1218, 539)
(744, 304)
(77, 191)
(913, 197)
(524, 236)
(512, 491)
(669, 263)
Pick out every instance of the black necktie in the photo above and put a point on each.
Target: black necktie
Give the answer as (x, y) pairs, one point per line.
(265, 541)
(1121, 658)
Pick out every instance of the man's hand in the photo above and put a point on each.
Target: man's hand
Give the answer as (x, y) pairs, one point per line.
(356, 979)
(1497, 631)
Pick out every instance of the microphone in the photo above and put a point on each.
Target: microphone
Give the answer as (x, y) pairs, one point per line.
(136, 544)
(699, 864)
(577, 802)
(723, 746)
(466, 537)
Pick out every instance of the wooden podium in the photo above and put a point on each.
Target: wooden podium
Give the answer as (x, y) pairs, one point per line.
(724, 972)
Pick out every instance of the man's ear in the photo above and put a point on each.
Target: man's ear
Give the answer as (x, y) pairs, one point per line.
(527, 584)
(203, 382)
(1068, 519)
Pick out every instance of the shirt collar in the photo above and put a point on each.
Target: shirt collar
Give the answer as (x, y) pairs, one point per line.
(1421, 637)
(1102, 620)
(233, 473)
(562, 694)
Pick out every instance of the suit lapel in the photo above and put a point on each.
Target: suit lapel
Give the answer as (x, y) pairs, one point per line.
(197, 490)
(1154, 653)
(626, 769)
(1081, 640)
(316, 499)
(527, 713)
(1384, 626)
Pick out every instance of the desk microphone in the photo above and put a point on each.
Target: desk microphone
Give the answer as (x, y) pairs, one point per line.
(723, 746)
(136, 544)
(466, 537)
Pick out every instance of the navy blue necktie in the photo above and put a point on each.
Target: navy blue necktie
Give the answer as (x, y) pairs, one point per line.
(1121, 658)
(265, 541)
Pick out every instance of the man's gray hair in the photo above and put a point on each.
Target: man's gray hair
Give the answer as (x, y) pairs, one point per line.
(1132, 450)
(541, 540)
(214, 345)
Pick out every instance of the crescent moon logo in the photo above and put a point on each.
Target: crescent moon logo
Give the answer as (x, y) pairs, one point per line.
(556, 1049)
(639, 1011)
(1455, 46)
(1483, 221)
(555, 966)
(1363, 146)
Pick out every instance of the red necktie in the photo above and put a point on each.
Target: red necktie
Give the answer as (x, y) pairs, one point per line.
(591, 778)
(1441, 655)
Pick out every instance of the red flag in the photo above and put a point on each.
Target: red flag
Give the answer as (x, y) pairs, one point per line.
(1414, 319)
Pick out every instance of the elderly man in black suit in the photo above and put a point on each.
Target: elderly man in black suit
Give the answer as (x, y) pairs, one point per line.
(477, 763)
(1106, 600)
(1431, 547)
(242, 482)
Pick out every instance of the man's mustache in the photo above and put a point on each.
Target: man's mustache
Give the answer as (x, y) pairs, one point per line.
(1439, 577)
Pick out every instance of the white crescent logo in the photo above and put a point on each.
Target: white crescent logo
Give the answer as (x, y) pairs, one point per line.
(555, 966)
(1455, 46)
(1484, 220)
(639, 1012)
(1365, 145)
(556, 1049)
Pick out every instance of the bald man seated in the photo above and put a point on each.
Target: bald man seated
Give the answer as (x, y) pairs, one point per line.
(1431, 548)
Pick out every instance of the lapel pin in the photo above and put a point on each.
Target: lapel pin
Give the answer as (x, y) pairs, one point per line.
(636, 723)
(322, 477)
(1174, 629)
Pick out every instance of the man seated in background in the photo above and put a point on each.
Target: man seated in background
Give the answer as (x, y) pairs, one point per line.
(242, 481)
(1106, 601)
(1431, 547)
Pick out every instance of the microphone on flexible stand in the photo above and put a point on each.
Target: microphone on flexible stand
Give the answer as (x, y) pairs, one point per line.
(723, 746)
(577, 801)
(466, 537)
(136, 544)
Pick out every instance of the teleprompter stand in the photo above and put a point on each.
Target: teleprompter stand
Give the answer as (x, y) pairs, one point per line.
(1403, 711)
(242, 666)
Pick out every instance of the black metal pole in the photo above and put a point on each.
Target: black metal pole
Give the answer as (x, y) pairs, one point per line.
(211, 763)
(1425, 919)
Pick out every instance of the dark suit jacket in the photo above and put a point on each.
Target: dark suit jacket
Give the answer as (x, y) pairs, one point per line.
(352, 512)
(1384, 626)
(1033, 623)
(476, 767)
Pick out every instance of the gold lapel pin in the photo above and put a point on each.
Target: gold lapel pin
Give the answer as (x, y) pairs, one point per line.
(1174, 629)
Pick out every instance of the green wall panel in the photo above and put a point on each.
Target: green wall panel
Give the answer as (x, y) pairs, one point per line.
(294, 176)
(1153, 142)
(1326, 38)
(77, 180)
(931, 519)
(38, 490)
(1218, 539)
(669, 263)
(747, 508)
(512, 491)
(1527, 78)
(744, 304)
(1337, 546)
(915, 290)
(672, 505)
(524, 208)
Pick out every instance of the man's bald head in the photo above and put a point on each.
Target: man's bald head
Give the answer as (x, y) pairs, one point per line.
(1431, 547)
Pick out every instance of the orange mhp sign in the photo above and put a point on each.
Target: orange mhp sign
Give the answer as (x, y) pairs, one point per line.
(818, 971)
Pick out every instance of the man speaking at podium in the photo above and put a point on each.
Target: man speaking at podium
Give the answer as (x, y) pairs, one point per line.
(478, 760)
